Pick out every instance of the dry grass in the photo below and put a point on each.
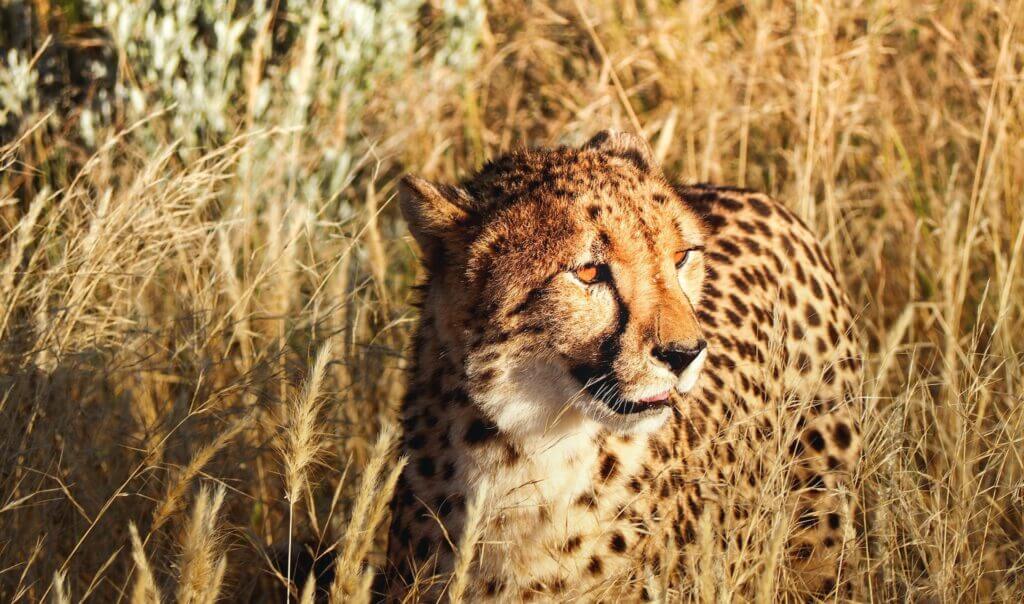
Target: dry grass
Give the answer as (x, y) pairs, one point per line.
(174, 249)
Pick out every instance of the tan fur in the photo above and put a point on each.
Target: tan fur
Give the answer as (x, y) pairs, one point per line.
(528, 380)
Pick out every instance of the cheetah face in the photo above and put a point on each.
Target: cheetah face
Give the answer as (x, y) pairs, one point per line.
(564, 283)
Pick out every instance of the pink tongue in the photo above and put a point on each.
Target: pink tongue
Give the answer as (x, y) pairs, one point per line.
(657, 398)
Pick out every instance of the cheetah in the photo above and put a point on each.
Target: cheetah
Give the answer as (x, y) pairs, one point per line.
(602, 362)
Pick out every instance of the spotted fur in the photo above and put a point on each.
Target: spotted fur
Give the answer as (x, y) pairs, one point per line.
(547, 388)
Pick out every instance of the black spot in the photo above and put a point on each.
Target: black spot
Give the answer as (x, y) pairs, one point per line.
(572, 544)
(480, 431)
(734, 318)
(833, 334)
(827, 585)
(423, 548)
(729, 204)
(598, 139)
(843, 436)
(586, 500)
(636, 158)
(714, 221)
(729, 247)
(803, 362)
(594, 211)
(746, 226)
(813, 318)
(617, 543)
(486, 376)
(695, 506)
(833, 521)
(738, 304)
(706, 319)
(608, 466)
(558, 585)
(760, 207)
(493, 587)
(815, 439)
(688, 535)
(595, 566)
(787, 243)
(444, 506)
(511, 454)
(426, 466)
(816, 288)
(807, 520)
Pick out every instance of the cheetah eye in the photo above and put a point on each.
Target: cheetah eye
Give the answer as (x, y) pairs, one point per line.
(591, 273)
(681, 257)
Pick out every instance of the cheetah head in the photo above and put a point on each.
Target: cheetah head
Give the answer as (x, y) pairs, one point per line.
(563, 283)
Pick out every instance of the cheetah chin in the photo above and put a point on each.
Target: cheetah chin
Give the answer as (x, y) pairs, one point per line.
(538, 398)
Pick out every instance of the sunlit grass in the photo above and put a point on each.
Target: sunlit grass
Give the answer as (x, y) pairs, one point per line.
(179, 243)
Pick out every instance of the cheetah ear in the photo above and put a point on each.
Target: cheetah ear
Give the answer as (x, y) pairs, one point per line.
(629, 147)
(437, 214)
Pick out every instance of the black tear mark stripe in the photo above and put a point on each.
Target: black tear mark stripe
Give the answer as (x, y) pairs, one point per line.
(531, 297)
(598, 378)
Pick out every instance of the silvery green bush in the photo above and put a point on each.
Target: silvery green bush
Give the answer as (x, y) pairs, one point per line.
(194, 60)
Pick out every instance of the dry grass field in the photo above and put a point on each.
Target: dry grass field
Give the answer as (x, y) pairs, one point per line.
(205, 282)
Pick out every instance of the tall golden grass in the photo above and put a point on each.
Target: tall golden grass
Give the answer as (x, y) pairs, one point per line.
(172, 257)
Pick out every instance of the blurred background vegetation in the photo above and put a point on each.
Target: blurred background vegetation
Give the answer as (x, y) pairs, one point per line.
(195, 197)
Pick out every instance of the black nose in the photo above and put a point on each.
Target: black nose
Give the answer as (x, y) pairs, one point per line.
(677, 355)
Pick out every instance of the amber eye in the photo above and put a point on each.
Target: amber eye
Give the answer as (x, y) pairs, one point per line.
(588, 274)
(679, 258)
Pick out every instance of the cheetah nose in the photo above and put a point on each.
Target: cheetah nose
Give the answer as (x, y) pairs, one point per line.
(688, 378)
(678, 357)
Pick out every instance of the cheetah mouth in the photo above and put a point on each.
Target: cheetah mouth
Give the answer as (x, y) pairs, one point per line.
(605, 388)
(636, 407)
